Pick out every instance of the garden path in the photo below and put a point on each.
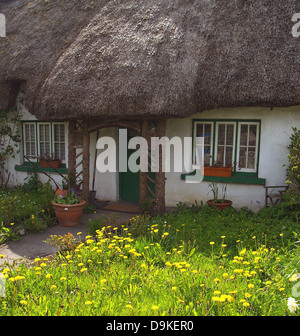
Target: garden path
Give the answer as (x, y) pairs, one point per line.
(32, 245)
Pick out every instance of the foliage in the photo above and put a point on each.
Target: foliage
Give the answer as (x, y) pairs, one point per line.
(26, 207)
(10, 137)
(116, 274)
(215, 190)
(65, 243)
(293, 169)
(103, 221)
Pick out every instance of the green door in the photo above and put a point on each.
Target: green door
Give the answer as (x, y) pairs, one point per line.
(129, 182)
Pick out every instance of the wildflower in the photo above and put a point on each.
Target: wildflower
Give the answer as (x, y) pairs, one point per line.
(2, 256)
(174, 288)
(212, 243)
(294, 277)
(246, 304)
(48, 276)
(217, 280)
(217, 292)
(83, 270)
(43, 265)
(63, 278)
(79, 233)
(129, 306)
(225, 275)
(247, 295)
(53, 287)
(215, 298)
(292, 305)
(155, 308)
(250, 286)
(223, 237)
(223, 245)
(88, 303)
(23, 302)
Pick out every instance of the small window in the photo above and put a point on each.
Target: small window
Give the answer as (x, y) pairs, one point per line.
(225, 144)
(44, 139)
(203, 130)
(29, 136)
(247, 149)
(59, 144)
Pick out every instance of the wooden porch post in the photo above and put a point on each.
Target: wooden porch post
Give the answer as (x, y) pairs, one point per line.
(86, 162)
(160, 182)
(143, 175)
(71, 152)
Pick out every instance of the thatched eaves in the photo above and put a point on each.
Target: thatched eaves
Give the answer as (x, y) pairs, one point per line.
(115, 59)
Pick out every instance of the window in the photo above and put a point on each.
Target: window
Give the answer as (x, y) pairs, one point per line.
(248, 141)
(59, 141)
(225, 142)
(203, 129)
(44, 138)
(231, 143)
(29, 132)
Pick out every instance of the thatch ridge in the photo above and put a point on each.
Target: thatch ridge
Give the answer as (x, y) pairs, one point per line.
(148, 58)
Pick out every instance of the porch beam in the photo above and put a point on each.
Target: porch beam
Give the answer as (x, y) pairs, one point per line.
(160, 182)
(143, 175)
(71, 152)
(86, 162)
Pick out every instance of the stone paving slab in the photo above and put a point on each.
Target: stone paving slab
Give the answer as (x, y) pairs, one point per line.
(32, 245)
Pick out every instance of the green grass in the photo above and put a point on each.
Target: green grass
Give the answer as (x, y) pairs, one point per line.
(196, 262)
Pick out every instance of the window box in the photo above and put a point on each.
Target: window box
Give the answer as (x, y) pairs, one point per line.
(217, 171)
(50, 163)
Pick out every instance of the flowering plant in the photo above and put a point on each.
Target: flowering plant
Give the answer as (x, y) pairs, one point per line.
(70, 197)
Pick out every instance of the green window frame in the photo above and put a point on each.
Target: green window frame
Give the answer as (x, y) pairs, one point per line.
(241, 145)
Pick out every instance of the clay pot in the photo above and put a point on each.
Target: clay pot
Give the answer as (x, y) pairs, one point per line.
(68, 214)
(220, 205)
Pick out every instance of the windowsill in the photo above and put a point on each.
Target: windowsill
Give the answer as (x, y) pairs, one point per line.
(242, 178)
(27, 167)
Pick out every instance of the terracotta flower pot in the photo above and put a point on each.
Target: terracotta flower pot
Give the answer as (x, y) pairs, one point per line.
(68, 214)
(220, 205)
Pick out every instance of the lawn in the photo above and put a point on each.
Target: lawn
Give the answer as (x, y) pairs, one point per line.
(197, 261)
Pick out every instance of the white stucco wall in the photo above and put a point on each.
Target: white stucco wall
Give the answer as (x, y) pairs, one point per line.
(276, 128)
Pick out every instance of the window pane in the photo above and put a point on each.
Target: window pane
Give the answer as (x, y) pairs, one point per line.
(251, 158)
(244, 135)
(207, 134)
(199, 132)
(221, 134)
(228, 156)
(242, 161)
(252, 135)
(59, 141)
(229, 135)
(220, 155)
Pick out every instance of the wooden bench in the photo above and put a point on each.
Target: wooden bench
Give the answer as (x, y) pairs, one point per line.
(274, 194)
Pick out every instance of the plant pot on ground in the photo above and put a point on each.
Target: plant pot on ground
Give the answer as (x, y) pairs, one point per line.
(68, 208)
(220, 203)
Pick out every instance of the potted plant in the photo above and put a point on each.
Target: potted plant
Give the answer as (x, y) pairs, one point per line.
(217, 170)
(49, 161)
(68, 208)
(221, 203)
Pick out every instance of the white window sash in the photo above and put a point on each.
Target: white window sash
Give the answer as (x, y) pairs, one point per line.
(247, 170)
(44, 141)
(196, 146)
(54, 141)
(30, 155)
(225, 138)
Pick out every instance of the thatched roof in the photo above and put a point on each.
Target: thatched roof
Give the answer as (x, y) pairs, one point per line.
(127, 58)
